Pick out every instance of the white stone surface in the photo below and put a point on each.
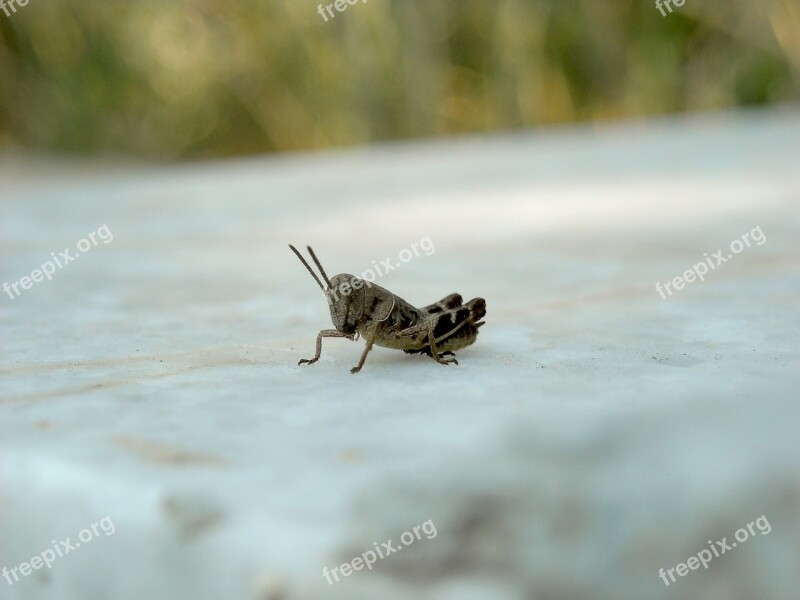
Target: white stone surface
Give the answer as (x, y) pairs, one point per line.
(594, 434)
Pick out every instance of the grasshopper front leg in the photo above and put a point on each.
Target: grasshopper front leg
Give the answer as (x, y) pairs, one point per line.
(367, 348)
(325, 333)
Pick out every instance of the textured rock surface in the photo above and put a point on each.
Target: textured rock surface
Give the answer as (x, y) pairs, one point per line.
(594, 434)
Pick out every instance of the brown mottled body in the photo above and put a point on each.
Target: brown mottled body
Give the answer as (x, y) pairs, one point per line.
(384, 319)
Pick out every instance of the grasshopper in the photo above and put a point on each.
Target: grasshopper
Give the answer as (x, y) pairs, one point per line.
(359, 307)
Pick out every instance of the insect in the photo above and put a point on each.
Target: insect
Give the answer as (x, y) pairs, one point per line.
(362, 308)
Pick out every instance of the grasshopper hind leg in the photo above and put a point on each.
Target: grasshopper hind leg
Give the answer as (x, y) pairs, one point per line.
(451, 329)
(434, 351)
(446, 361)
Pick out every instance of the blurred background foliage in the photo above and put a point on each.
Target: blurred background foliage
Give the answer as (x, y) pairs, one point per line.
(174, 79)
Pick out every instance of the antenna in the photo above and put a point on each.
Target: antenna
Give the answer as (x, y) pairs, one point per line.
(319, 266)
(314, 275)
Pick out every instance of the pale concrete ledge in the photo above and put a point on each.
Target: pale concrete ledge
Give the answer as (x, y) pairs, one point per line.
(595, 433)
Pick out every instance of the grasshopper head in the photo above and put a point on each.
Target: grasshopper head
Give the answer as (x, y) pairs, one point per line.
(345, 294)
(345, 297)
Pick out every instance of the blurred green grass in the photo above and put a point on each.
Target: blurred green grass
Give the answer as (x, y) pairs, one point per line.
(202, 78)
